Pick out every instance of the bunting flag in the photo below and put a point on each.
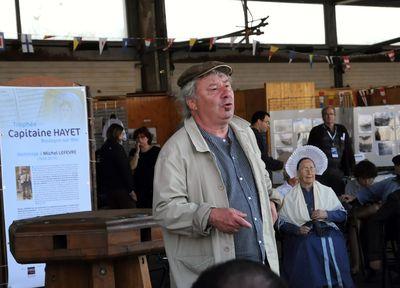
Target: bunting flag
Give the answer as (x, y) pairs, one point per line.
(2, 43)
(346, 61)
(192, 41)
(329, 60)
(26, 43)
(255, 42)
(45, 37)
(292, 55)
(362, 93)
(311, 59)
(233, 38)
(212, 42)
(102, 43)
(147, 42)
(382, 92)
(321, 95)
(169, 44)
(391, 55)
(76, 42)
(272, 50)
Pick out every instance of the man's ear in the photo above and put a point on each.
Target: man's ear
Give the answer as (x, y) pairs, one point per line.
(191, 103)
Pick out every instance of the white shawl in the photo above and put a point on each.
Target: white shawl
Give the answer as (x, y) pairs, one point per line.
(294, 208)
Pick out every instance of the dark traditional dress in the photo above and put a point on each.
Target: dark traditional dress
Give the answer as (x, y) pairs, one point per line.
(337, 147)
(318, 259)
(143, 176)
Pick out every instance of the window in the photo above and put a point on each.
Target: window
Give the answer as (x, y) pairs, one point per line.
(366, 25)
(207, 18)
(8, 22)
(66, 19)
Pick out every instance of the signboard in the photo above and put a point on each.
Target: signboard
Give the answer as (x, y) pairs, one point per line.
(45, 161)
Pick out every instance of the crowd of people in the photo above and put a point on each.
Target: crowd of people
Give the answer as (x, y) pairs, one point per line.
(210, 190)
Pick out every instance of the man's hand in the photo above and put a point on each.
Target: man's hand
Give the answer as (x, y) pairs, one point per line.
(347, 198)
(273, 212)
(319, 215)
(228, 220)
(304, 230)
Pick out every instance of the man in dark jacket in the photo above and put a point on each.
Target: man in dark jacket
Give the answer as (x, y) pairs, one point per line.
(260, 126)
(333, 139)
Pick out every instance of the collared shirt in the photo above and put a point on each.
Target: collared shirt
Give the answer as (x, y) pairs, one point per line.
(242, 193)
(284, 188)
(379, 191)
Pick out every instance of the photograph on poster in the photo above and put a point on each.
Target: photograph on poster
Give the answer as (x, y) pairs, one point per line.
(385, 148)
(23, 179)
(283, 140)
(301, 125)
(302, 139)
(317, 121)
(364, 123)
(384, 134)
(283, 126)
(365, 143)
(384, 119)
(284, 153)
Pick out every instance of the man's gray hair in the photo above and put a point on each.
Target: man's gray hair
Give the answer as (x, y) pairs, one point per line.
(188, 92)
(323, 111)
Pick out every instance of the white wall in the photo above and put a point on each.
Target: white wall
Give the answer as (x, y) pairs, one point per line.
(104, 78)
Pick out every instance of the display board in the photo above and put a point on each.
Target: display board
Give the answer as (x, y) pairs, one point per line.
(45, 161)
(377, 133)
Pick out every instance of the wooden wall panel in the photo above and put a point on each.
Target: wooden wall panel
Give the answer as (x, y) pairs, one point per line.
(155, 111)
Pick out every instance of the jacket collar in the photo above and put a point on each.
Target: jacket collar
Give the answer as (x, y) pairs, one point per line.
(238, 125)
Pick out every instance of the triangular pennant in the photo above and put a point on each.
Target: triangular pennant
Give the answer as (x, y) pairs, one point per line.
(311, 59)
(292, 55)
(192, 41)
(329, 59)
(391, 55)
(26, 42)
(233, 38)
(212, 42)
(255, 42)
(102, 43)
(76, 42)
(382, 92)
(169, 43)
(272, 51)
(147, 42)
(2, 42)
(45, 37)
(125, 42)
(346, 61)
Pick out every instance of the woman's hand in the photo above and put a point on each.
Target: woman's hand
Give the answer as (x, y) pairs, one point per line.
(303, 230)
(319, 215)
(347, 198)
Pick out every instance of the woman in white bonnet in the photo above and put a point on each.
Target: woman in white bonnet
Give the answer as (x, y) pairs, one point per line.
(314, 250)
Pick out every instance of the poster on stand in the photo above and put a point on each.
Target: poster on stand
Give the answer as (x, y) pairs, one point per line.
(45, 161)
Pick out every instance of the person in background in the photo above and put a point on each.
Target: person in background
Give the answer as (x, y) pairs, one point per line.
(314, 249)
(260, 126)
(239, 274)
(378, 193)
(142, 161)
(213, 197)
(113, 120)
(333, 139)
(287, 185)
(364, 173)
(115, 171)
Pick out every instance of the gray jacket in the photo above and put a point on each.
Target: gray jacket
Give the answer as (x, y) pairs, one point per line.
(187, 184)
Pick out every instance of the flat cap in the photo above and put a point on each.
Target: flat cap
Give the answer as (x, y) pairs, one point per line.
(202, 69)
(396, 160)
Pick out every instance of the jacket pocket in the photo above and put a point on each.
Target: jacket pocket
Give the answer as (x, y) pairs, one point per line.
(195, 264)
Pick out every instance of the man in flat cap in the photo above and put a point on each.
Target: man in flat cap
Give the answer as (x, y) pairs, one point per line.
(387, 193)
(212, 193)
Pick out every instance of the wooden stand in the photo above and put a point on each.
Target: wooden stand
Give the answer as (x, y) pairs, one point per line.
(103, 248)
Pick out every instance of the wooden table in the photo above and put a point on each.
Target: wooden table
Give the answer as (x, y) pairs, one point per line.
(104, 248)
